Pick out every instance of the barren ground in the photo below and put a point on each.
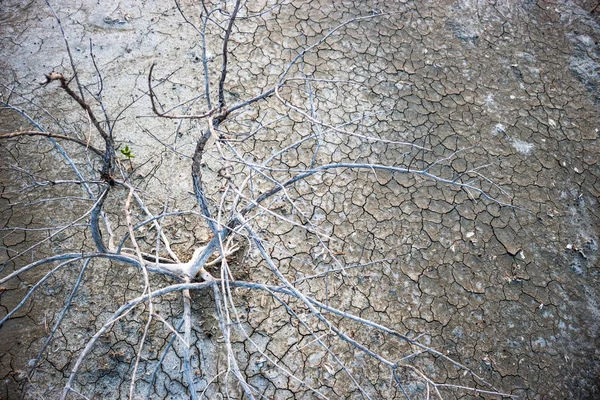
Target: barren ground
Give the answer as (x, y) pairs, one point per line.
(506, 94)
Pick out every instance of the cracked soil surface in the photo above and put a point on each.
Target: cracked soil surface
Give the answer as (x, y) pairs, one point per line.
(503, 96)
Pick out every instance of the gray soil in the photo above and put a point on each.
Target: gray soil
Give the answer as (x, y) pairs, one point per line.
(494, 264)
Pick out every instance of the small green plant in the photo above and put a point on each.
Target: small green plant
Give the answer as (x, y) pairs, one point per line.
(127, 153)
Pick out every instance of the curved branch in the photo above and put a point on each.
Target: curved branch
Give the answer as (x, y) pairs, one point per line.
(224, 64)
(95, 226)
(303, 175)
(176, 271)
(165, 115)
(53, 136)
(108, 168)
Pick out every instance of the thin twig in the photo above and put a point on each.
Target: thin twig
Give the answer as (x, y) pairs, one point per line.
(54, 136)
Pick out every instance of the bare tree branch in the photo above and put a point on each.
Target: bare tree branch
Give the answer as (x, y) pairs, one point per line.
(224, 54)
(51, 135)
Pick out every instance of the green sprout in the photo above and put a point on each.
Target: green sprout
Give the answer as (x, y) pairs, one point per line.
(127, 153)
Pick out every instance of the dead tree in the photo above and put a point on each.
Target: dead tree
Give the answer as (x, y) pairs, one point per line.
(272, 292)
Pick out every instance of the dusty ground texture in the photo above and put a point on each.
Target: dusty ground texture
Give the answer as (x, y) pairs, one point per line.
(451, 194)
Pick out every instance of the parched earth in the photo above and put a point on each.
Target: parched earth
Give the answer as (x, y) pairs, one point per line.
(462, 211)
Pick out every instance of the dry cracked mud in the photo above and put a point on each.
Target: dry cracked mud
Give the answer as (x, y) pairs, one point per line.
(450, 193)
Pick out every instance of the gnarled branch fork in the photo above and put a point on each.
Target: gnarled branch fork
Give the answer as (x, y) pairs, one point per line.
(108, 167)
